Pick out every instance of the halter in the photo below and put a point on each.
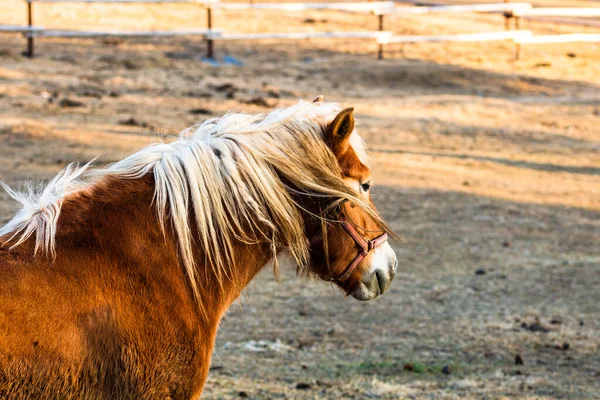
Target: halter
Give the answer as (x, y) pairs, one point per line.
(366, 245)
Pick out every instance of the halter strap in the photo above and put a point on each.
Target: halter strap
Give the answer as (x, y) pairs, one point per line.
(366, 245)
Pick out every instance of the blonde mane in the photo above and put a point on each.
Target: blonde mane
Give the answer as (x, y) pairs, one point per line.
(228, 172)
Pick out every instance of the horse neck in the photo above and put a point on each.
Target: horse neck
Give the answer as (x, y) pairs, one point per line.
(119, 216)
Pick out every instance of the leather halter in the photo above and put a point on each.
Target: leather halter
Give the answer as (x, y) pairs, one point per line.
(366, 245)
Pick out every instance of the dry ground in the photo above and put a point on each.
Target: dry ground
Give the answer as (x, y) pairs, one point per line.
(482, 163)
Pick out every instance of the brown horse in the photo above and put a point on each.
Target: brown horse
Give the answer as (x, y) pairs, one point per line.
(113, 282)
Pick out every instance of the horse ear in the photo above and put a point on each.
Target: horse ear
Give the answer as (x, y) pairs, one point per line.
(339, 130)
(318, 99)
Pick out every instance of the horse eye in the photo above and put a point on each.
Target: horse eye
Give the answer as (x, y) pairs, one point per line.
(366, 186)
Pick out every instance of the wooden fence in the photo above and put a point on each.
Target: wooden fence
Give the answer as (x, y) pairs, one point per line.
(380, 9)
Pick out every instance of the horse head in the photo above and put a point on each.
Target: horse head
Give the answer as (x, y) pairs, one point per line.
(350, 247)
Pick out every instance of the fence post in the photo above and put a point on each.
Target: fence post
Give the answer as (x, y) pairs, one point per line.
(209, 43)
(30, 49)
(507, 16)
(380, 46)
(519, 49)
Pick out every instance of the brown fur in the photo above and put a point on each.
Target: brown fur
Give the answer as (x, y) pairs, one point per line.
(113, 315)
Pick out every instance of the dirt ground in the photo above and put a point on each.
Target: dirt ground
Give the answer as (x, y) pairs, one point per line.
(489, 169)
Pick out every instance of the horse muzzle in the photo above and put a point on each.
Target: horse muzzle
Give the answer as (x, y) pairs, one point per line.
(378, 279)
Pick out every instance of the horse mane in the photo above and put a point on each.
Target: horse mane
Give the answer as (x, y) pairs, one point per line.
(225, 176)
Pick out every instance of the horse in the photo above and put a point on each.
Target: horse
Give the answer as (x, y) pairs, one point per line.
(113, 280)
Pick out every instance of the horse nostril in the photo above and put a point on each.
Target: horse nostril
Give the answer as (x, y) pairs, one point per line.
(395, 265)
(381, 280)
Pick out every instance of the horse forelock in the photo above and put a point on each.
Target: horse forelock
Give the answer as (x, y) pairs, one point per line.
(222, 180)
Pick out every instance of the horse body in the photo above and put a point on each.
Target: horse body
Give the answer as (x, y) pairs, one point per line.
(112, 311)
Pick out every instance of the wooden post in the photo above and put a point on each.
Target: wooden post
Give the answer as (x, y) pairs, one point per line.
(30, 50)
(518, 50)
(380, 46)
(507, 17)
(209, 42)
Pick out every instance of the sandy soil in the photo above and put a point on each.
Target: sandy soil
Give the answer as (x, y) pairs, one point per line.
(489, 168)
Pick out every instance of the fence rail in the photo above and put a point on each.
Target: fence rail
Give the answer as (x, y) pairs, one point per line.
(125, 1)
(300, 35)
(566, 38)
(497, 7)
(19, 29)
(88, 34)
(349, 6)
(462, 37)
(558, 12)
